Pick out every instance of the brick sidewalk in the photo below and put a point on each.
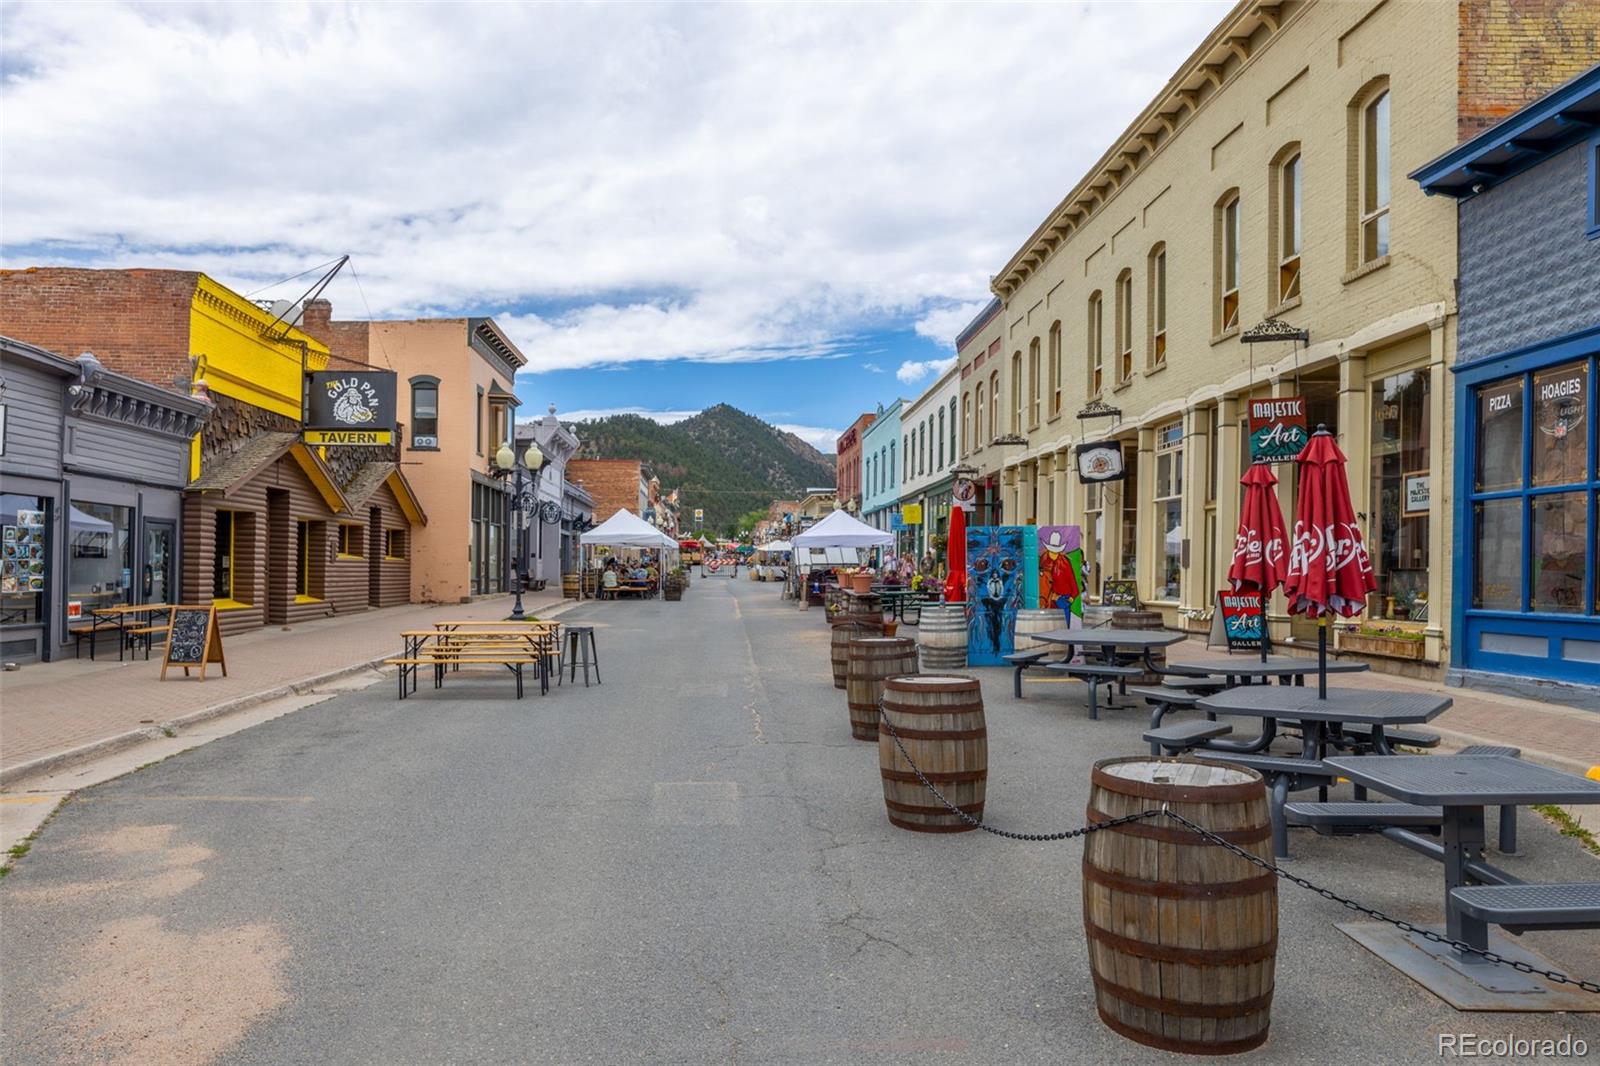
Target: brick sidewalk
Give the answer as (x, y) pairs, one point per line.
(47, 709)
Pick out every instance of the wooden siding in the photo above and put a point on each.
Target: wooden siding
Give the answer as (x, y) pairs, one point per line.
(33, 421)
(390, 578)
(136, 453)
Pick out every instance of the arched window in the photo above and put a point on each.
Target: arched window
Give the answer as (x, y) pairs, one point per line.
(953, 446)
(1016, 392)
(1124, 326)
(941, 438)
(1055, 369)
(1034, 386)
(994, 405)
(424, 413)
(977, 419)
(966, 419)
(891, 464)
(1225, 261)
(1285, 216)
(1156, 305)
(1371, 158)
(1092, 339)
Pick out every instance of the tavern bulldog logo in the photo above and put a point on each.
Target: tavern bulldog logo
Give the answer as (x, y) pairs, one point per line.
(355, 402)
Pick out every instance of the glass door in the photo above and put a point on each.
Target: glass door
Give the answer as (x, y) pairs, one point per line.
(160, 546)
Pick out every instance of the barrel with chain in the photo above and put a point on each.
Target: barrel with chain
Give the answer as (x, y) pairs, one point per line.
(872, 660)
(939, 718)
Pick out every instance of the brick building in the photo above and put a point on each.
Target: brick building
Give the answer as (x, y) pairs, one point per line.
(847, 463)
(613, 484)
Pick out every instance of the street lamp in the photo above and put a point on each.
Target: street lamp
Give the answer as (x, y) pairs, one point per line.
(508, 464)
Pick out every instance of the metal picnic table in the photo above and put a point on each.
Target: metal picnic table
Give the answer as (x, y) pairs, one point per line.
(1232, 667)
(1462, 785)
(1111, 644)
(1271, 703)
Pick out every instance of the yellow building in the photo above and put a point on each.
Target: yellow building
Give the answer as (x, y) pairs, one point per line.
(1267, 181)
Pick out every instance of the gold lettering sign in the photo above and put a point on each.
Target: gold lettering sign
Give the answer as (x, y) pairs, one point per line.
(349, 436)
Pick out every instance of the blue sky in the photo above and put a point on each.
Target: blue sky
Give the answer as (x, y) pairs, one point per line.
(666, 206)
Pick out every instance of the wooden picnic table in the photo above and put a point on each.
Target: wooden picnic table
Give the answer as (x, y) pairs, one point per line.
(118, 616)
(507, 644)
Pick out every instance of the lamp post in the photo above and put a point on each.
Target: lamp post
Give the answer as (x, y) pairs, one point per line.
(510, 464)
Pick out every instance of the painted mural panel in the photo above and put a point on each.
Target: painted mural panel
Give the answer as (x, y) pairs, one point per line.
(996, 578)
(1061, 570)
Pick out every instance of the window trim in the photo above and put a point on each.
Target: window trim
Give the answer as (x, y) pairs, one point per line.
(389, 537)
(1228, 240)
(1054, 344)
(426, 381)
(228, 602)
(1035, 392)
(1286, 287)
(1357, 262)
(360, 529)
(1156, 306)
(1124, 312)
(1094, 342)
(1016, 391)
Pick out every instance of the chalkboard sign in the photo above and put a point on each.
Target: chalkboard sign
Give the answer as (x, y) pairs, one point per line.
(194, 641)
(1119, 592)
(1242, 619)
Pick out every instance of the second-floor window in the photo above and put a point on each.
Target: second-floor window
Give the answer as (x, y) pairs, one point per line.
(1375, 179)
(953, 445)
(1055, 369)
(994, 405)
(1158, 306)
(966, 418)
(1124, 326)
(1289, 229)
(1092, 339)
(941, 437)
(1228, 263)
(424, 413)
(1016, 392)
(977, 418)
(1033, 382)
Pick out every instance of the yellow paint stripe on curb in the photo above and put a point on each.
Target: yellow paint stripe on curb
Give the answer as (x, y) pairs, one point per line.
(29, 799)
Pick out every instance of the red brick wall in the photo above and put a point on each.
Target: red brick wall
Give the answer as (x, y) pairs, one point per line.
(847, 460)
(348, 341)
(1511, 52)
(614, 483)
(135, 321)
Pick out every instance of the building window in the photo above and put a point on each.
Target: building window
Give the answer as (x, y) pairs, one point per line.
(1055, 369)
(1092, 341)
(1034, 383)
(1227, 263)
(302, 560)
(394, 544)
(1402, 486)
(966, 421)
(350, 540)
(1130, 513)
(922, 450)
(1594, 188)
(891, 466)
(1016, 392)
(976, 440)
(953, 445)
(1124, 326)
(1157, 306)
(99, 555)
(941, 438)
(1289, 230)
(1169, 509)
(424, 413)
(1373, 178)
(994, 405)
(477, 434)
(905, 457)
(25, 519)
(1094, 518)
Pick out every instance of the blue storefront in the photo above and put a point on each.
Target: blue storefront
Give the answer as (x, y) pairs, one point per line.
(1527, 474)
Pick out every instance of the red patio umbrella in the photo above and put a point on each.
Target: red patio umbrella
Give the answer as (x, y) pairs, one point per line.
(1329, 569)
(1259, 546)
(955, 551)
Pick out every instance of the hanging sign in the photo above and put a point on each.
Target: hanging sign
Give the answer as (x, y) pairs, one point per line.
(911, 514)
(194, 641)
(350, 407)
(964, 493)
(1100, 461)
(1241, 619)
(1278, 429)
(1119, 592)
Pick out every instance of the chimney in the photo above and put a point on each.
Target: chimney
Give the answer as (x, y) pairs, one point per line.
(315, 318)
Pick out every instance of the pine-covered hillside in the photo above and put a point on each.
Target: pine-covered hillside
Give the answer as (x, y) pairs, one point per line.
(721, 460)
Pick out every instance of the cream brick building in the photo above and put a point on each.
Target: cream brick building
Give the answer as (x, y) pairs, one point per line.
(1266, 181)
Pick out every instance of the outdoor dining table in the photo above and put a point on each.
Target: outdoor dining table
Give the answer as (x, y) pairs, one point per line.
(1462, 785)
(1234, 667)
(1370, 707)
(541, 634)
(118, 617)
(1112, 642)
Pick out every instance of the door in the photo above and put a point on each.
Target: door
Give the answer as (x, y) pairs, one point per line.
(160, 558)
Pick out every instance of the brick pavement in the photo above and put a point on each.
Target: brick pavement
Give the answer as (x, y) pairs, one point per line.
(50, 708)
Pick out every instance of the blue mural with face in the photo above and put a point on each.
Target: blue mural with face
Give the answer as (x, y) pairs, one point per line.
(994, 592)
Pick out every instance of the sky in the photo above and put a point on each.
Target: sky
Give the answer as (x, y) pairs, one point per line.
(791, 208)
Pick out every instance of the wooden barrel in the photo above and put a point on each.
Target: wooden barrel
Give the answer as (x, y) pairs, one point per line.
(872, 661)
(939, 720)
(942, 637)
(838, 650)
(569, 585)
(1144, 620)
(858, 607)
(1183, 962)
(1040, 620)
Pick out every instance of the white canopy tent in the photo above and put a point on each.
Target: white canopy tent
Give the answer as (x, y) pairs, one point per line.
(776, 546)
(626, 530)
(840, 530)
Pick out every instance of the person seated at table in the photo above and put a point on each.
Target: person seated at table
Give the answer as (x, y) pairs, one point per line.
(651, 574)
(609, 582)
(637, 574)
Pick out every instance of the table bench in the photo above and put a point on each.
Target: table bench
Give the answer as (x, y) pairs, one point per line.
(1570, 905)
(1330, 818)
(1095, 674)
(439, 662)
(1179, 738)
(1284, 775)
(1023, 660)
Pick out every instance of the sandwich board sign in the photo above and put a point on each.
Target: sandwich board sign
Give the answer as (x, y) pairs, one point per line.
(194, 641)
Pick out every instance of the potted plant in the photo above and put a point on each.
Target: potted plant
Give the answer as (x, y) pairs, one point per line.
(672, 588)
(1393, 641)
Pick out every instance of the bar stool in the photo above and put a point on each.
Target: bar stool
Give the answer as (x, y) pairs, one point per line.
(581, 639)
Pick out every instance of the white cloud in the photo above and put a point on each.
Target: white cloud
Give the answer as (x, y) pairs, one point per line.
(912, 371)
(666, 418)
(685, 181)
(873, 367)
(822, 439)
(943, 325)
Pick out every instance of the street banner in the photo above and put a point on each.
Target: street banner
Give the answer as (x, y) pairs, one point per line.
(350, 407)
(1277, 429)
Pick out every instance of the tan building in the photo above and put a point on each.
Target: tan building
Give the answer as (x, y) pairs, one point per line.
(457, 380)
(1266, 181)
(978, 355)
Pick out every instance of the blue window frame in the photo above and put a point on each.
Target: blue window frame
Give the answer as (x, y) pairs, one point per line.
(1528, 512)
(1594, 187)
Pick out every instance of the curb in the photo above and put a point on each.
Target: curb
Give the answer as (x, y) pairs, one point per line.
(61, 760)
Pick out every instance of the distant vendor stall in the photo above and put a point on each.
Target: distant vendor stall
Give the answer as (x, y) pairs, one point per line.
(627, 530)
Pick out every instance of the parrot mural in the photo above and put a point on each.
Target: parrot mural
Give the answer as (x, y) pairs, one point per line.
(994, 592)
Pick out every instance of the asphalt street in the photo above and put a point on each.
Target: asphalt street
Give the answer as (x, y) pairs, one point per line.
(688, 863)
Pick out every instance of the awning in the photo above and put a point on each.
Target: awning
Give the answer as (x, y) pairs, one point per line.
(627, 530)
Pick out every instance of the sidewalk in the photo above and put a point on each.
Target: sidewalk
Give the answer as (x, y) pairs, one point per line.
(65, 709)
(1551, 733)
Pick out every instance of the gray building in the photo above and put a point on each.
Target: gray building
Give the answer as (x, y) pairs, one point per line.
(1527, 472)
(562, 510)
(93, 465)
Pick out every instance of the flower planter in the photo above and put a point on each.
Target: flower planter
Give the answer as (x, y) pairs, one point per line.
(861, 584)
(1392, 647)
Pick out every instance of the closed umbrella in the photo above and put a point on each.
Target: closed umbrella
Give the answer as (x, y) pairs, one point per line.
(955, 549)
(1259, 546)
(1329, 569)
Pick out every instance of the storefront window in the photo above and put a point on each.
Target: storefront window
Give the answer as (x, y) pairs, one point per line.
(1130, 514)
(1500, 436)
(1402, 486)
(1560, 439)
(1169, 509)
(1497, 567)
(222, 569)
(99, 555)
(1094, 518)
(1559, 543)
(23, 569)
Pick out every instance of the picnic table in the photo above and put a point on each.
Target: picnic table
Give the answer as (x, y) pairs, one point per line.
(1117, 648)
(127, 619)
(1234, 667)
(1462, 785)
(1374, 708)
(512, 645)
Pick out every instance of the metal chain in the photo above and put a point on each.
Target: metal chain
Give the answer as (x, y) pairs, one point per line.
(1404, 926)
(1209, 837)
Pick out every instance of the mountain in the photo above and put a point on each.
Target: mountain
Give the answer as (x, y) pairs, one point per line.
(721, 460)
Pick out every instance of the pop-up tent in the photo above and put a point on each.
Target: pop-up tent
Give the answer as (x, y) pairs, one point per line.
(840, 530)
(626, 530)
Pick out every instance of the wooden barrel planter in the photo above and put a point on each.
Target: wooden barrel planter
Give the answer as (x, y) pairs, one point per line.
(838, 649)
(942, 637)
(1041, 620)
(939, 720)
(1184, 962)
(855, 607)
(871, 662)
(1144, 620)
(569, 585)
